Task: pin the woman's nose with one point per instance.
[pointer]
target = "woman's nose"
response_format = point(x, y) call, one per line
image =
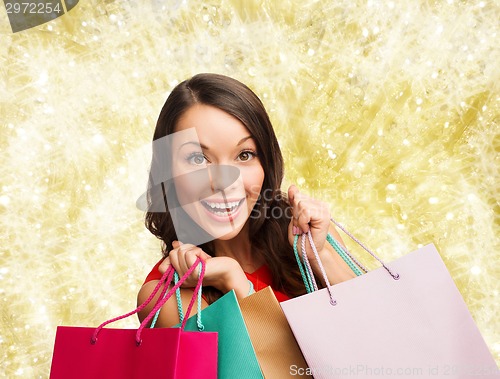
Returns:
point(221, 177)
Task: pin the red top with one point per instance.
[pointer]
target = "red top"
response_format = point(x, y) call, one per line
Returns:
point(261, 278)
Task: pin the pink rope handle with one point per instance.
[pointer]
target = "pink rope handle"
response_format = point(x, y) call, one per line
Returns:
point(320, 264)
point(395, 276)
point(161, 302)
point(166, 278)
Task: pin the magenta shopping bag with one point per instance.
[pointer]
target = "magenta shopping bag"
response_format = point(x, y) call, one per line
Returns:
point(403, 320)
point(170, 353)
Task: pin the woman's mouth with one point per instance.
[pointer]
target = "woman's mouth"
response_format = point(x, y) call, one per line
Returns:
point(222, 209)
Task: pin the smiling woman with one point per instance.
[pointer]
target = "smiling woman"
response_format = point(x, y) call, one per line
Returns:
point(224, 202)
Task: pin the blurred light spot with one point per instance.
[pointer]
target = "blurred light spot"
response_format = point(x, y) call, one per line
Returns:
point(98, 138)
point(4, 200)
point(43, 78)
point(433, 200)
point(475, 270)
point(450, 216)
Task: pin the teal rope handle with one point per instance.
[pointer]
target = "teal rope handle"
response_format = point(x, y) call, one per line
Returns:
point(179, 305)
point(306, 279)
point(340, 251)
point(178, 297)
point(198, 307)
point(304, 272)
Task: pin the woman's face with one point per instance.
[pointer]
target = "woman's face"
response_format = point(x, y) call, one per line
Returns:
point(217, 173)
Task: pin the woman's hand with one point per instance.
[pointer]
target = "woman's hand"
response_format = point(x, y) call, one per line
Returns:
point(223, 273)
point(308, 214)
point(313, 215)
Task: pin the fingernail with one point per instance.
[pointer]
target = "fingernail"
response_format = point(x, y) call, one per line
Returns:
point(295, 230)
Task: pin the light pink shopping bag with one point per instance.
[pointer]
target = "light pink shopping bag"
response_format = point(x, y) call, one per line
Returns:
point(404, 320)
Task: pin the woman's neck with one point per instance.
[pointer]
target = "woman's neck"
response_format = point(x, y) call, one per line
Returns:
point(240, 249)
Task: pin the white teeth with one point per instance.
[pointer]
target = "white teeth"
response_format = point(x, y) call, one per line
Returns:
point(223, 206)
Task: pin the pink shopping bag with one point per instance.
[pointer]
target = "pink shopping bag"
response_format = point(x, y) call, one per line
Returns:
point(170, 353)
point(403, 321)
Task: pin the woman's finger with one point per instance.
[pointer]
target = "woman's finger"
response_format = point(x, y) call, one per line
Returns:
point(164, 265)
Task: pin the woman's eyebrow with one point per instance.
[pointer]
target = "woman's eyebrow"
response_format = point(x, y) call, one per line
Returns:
point(204, 147)
point(243, 140)
point(196, 143)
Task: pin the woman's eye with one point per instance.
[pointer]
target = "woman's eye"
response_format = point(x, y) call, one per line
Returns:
point(196, 159)
point(246, 156)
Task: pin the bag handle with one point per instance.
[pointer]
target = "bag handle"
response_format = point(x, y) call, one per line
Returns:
point(179, 307)
point(395, 276)
point(308, 277)
point(165, 279)
point(318, 260)
point(308, 269)
point(161, 302)
point(352, 262)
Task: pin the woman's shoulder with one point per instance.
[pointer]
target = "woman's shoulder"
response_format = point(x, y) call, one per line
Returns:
point(155, 273)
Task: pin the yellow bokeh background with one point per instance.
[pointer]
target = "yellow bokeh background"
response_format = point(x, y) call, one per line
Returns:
point(387, 110)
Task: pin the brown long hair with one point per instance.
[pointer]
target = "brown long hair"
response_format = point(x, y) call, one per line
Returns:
point(270, 217)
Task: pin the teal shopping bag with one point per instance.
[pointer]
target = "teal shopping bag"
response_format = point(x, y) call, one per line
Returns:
point(236, 358)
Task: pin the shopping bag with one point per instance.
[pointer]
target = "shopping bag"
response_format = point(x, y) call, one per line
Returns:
point(277, 351)
point(170, 353)
point(236, 358)
point(403, 320)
